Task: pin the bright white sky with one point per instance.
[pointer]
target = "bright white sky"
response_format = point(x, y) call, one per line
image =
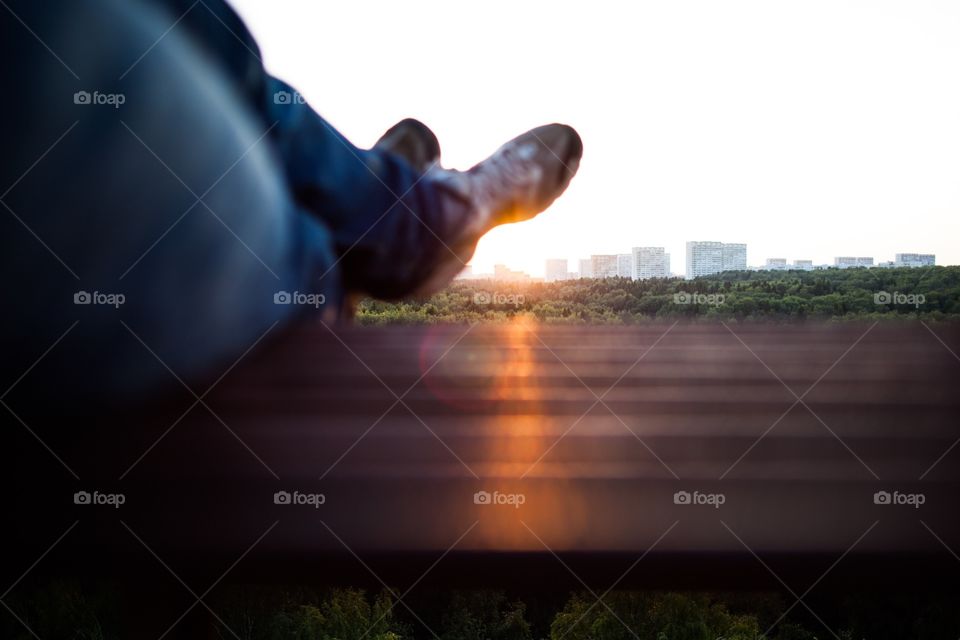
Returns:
point(805, 129)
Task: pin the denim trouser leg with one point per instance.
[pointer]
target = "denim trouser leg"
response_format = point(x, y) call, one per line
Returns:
point(111, 209)
point(145, 156)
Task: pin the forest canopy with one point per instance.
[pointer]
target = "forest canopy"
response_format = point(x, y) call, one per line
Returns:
point(930, 293)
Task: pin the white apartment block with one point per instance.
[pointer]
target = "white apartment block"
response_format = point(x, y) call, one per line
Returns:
point(557, 269)
point(776, 264)
point(705, 258)
point(586, 268)
point(848, 262)
point(803, 265)
point(625, 265)
point(734, 257)
point(650, 262)
point(604, 266)
point(915, 260)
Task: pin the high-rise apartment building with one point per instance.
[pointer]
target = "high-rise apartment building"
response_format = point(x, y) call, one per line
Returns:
point(704, 258)
point(586, 268)
point(650, 262)
point(848, 262)
point(803, 265)
point(915, 260)
point(776, 264)
point(557, 269)
point(734, 256)
point(604, 266)
point(625, 265)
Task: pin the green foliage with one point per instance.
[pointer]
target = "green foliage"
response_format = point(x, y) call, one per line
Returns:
point(65, 610)
point(62, 610)
point(336, 614)
point(836, 294)
point(484, 615)
point(791, 631)
point(629, 615)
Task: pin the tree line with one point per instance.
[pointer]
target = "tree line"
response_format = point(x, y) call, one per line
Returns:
point(931, 293)
point(262, 612)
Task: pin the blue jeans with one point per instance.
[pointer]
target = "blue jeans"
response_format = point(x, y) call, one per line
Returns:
point(167, 203)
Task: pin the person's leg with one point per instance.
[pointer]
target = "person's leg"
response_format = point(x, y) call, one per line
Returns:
point(400, 230)
point(392, 229)
point(111, 205)
point(397, 230)
point(200, 118)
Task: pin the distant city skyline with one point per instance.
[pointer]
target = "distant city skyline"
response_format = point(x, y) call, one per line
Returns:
point(677, 260)
point(701, 258)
